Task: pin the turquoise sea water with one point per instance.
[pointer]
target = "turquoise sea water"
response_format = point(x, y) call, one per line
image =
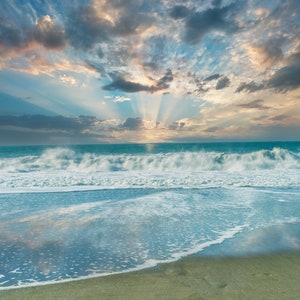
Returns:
point(70, 212)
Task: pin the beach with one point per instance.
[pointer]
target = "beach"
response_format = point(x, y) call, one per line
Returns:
point(275, 276)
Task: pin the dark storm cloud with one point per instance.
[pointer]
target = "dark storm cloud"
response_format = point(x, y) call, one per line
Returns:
point(84, 28)
point(200, 23)
point(255, 104)
point(45, 32)
point(286, 78)
point(199, 84)
point(10, 37)
point(133, 124)
point(132, 17)
point(163, 83)
point(179, 12)
point(121, 84)
point(249, 87)
point(48, 34)
point(88, 25)
point(223, 83)
point(212, 77)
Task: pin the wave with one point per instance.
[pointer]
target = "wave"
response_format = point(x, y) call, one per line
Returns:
point(64, 159)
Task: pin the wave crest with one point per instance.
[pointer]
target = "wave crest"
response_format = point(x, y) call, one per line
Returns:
point(64, 159)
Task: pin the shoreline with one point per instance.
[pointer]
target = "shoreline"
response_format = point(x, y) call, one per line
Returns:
point(272, 276)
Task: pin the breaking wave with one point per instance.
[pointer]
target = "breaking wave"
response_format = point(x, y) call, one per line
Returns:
point(64, 159)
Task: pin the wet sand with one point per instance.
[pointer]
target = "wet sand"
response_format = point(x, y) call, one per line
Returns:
point(261, 277)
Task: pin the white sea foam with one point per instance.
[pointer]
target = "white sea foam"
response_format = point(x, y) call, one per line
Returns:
point(69, 181)
point(63, 159)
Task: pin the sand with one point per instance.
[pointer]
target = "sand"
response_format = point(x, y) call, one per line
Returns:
point(273, 277)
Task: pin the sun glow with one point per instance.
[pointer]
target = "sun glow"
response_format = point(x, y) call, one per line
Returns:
point(150, 124)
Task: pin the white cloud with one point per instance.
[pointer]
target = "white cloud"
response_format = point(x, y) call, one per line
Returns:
point(120, 99)
point(68, 79)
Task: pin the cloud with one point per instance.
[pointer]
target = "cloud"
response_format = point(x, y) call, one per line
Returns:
point(223, 83)
point(156, 52)
point(41, 129)
point(10, 37)
point(266, 53)
point(191, 50)
point(271, 51)
point(101, 21)
point(286, 78)
point(48, 122)
point(26, 48)
point(279, 117)
point(133, 124)
point(255, 104)
point(133, 19)
point(212, 77)
point(98, 67)
point(37, 62)
point(45, 32)
point(48, 34)
point(249, 87)
point(294, 58)
point(177, 125)
point(179, 12)
point(85, 28)
point(120, 99)
point(163, 83)
point(68, 79)
point(119, 83)
point(216, 2)
point(198, 24)
point(212, 129)
point(138, 124)
point(124, 85)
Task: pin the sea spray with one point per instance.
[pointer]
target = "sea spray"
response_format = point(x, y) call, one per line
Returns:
point(92, 210)
point(64, 159)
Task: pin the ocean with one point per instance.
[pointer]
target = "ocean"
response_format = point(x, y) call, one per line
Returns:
point(71, 212)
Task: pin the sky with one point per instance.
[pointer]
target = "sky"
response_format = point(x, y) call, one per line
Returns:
point(139, 71)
